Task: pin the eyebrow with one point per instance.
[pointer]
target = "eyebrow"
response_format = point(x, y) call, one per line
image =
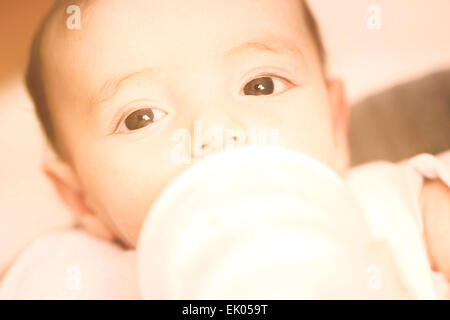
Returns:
point(275, 45)
point(110, 88)
point(271, 44)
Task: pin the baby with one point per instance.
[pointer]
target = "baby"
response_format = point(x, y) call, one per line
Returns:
point(112, 92)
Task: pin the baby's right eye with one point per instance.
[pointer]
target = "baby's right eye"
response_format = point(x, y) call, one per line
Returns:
point(141, 118)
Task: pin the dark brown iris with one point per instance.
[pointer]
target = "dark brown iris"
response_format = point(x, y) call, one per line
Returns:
point(139, 119)
point(260, 86)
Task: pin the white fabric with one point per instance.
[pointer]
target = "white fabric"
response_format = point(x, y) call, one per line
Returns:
point(389, 197)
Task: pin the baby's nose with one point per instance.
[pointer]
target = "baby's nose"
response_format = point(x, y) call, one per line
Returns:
point(215, 114)
point(212, 137)
point(216, 145)
point(206, 145)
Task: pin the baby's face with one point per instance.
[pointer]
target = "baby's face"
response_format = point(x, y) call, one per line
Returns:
point(138, 71)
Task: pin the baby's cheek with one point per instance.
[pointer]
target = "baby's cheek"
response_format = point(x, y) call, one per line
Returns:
point(128, 201)
point(126, 185)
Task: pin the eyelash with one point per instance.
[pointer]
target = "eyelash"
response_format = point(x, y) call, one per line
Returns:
point(268, 75)
point(130, 110)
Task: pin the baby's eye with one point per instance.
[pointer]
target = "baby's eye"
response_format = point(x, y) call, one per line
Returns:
point(266, 86)
point(142, 118)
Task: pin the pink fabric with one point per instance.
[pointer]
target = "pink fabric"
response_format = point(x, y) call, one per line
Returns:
point(72, 265)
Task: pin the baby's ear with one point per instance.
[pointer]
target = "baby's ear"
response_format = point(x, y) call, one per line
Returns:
point(340, 113)
point(70, 190)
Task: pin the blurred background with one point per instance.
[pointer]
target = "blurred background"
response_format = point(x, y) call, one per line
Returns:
point(397, 79)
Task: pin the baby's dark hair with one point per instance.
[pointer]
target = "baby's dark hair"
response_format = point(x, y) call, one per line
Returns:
point(34, 73)
point(314, 30)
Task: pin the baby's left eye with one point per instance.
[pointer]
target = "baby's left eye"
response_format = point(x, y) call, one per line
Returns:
point(266, 85)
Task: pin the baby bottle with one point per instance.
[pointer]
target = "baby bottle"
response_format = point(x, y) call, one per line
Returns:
point(254, 223)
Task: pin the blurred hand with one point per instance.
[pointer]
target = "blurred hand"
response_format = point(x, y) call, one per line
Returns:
point(435, 205)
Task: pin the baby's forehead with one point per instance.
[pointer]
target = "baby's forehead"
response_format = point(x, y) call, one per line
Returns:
point(91, 13)
point(121, 37)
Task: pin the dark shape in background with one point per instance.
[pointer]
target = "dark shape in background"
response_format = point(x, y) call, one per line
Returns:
point(402, 121)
